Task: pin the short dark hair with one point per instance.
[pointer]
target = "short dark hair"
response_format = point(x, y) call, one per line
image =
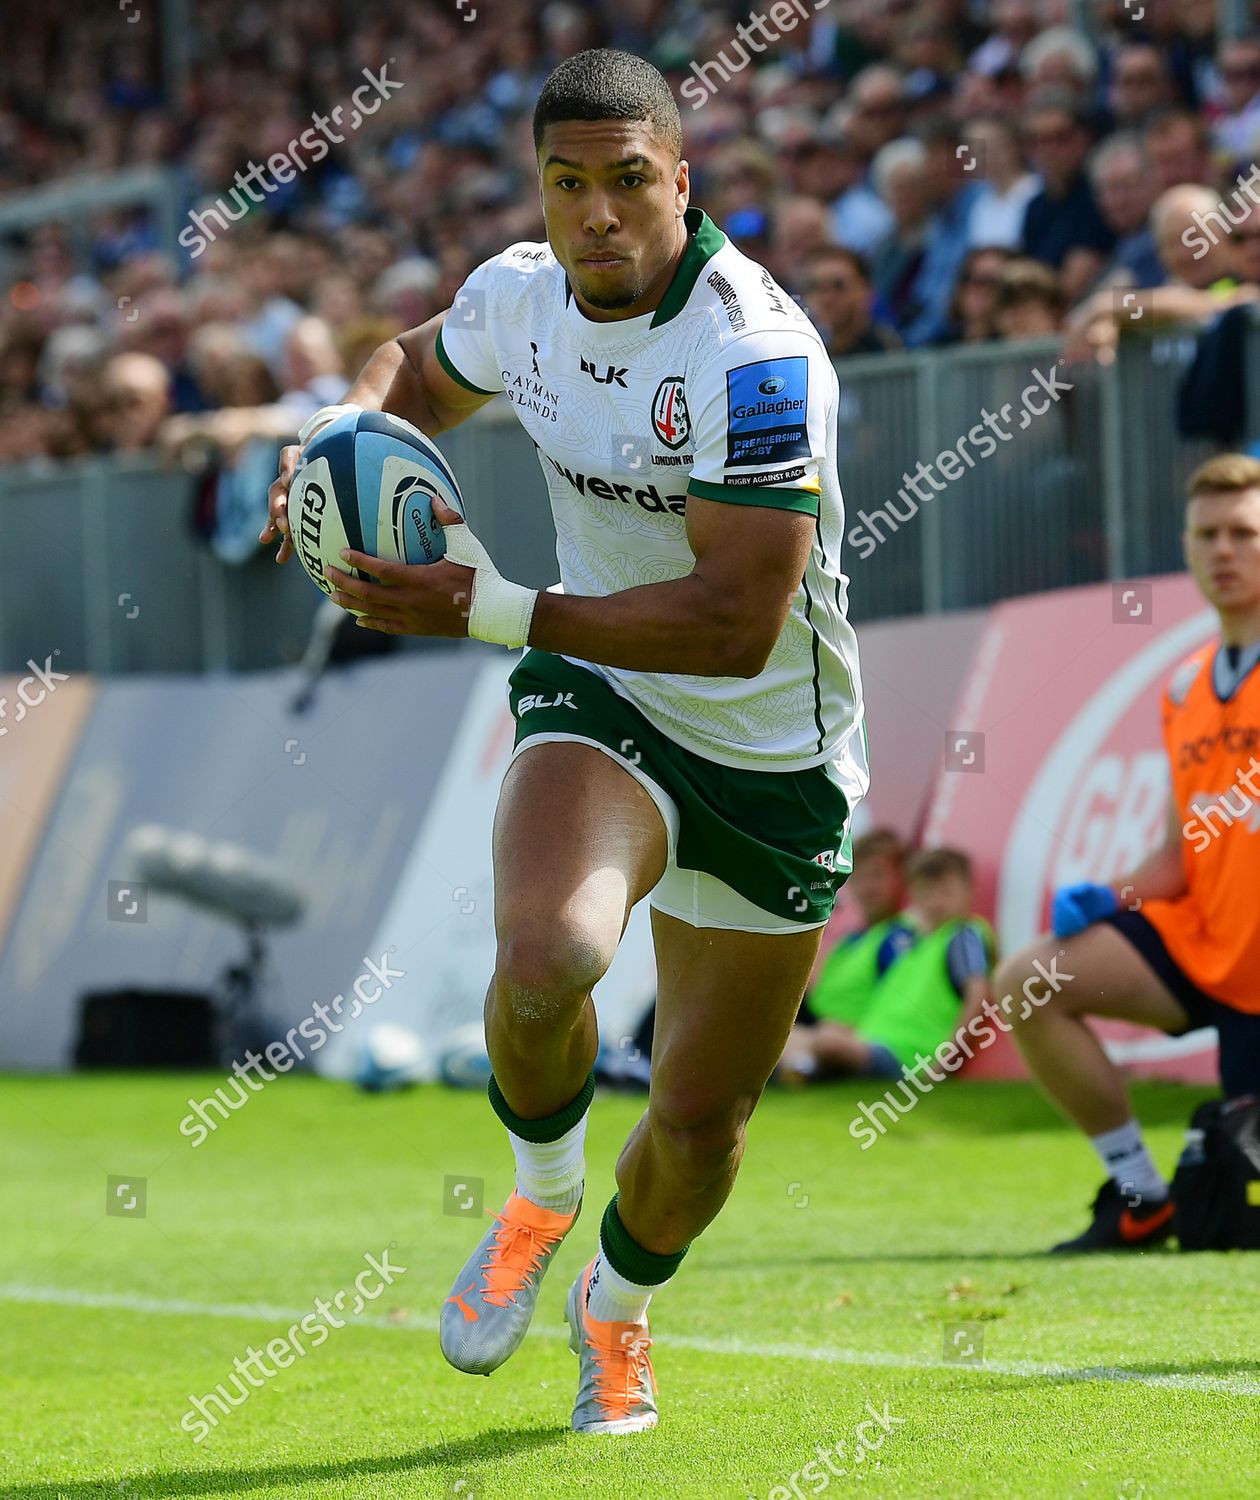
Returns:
point(879, 843)
point(857, 263)
point(935, 864)
point(605, 84)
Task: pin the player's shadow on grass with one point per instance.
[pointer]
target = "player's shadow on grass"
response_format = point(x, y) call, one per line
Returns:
point(235, 1480)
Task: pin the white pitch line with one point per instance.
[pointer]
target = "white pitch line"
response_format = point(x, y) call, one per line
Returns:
point(1229, 1385)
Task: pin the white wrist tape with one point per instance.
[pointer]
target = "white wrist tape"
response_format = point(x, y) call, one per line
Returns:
point(501, 611)
point(321, 418)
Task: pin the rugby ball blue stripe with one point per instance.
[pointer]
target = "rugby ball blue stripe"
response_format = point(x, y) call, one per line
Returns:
point(337, 444)
point(377, 421)
point(371, 449)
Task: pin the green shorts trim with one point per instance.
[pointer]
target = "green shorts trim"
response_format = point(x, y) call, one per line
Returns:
point(778, 838)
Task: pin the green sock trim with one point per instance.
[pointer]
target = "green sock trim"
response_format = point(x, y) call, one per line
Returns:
point(628, 1258)
point(550, 1127)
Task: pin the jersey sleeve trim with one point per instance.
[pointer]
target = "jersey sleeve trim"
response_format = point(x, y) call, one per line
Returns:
point(752, 494)
point(444, 360)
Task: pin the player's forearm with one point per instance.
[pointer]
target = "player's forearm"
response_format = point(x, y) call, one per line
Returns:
point(677, 626)
point(390, 382)
point(1160, 877)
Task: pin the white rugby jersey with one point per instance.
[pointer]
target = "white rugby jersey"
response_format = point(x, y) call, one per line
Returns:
point(725, 391)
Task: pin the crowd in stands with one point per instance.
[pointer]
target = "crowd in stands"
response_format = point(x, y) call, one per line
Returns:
point(916, 174)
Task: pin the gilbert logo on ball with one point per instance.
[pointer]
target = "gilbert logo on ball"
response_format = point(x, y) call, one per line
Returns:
point(368, 481)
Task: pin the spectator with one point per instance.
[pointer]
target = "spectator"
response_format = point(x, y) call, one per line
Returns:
point(1007, 187)
point(215, 352)
point(952, 193)
point(134, 402)
point(313, 377)
point(1199, 281)
point(407, 292)
point(1236, 134)
point(1063, 226)
point(1124, 188)
point(1178, 146)
point(159, 325)
point(973, 313)
point(1014, 26)
point(837, 294)
point(900, 176)
point(313, 372)
point(1061, 59)
point(741, 180)
point(271, 313)
point(1214, 396)
point(1029, 302)
point(1191, 50)
point(386, 228)
point(799, 227)
point(877, 109)
point(1141, 84)
point(860, 219)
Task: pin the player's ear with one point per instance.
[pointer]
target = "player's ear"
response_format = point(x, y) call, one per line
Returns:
point(682, 184)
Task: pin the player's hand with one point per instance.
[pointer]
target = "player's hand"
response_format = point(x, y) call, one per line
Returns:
point(278, 504)
point(409, 598)
point(1076, 906)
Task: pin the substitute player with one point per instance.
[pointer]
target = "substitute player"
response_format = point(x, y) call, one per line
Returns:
point(936, 983)
point(689, 715)
point(1174, 944)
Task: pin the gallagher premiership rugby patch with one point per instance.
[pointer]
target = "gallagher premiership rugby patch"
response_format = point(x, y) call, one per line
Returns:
point(766, 406)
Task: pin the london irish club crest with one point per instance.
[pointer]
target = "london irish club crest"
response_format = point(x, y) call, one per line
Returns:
point(670, 419)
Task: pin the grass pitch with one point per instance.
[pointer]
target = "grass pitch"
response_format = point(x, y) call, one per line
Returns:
point(906, 1279)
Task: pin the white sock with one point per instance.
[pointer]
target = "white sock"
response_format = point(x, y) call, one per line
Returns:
point(550, 1173)
point(1123, 1152)
point(610, 1298)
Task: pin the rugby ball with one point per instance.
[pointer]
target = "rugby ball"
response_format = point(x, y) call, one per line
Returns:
point(367, 481)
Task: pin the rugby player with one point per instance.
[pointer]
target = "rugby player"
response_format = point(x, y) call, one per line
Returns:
point(1175, 943)
point(689, 711)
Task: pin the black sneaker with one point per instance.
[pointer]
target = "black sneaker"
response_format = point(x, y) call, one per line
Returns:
point(1121, 1225)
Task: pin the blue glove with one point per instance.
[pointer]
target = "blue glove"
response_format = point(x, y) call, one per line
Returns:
point(1076, 906)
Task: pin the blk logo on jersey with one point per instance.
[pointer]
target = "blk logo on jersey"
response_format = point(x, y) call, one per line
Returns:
point(671, 421)
point(541, 700)
point(610, 374)
point(767, 407)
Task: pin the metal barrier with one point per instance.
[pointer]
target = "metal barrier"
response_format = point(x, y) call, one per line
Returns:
point(104, 567)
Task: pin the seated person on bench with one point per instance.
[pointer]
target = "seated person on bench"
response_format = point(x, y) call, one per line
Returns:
point(931, 988)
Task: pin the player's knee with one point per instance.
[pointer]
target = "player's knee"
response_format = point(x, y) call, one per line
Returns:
point(547, 966)
point(1025, 985)
point(699, 1136)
